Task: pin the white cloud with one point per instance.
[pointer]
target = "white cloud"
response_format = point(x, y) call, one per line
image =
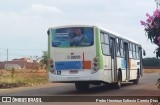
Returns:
point(44, 8)
point(30, 13)
point(30, 19)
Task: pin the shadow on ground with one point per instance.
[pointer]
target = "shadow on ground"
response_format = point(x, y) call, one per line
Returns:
point(94, 89)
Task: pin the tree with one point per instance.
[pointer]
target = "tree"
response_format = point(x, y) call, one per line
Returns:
point(35, 60)
point(152, 29)
point(151, 62)
point(44, 60)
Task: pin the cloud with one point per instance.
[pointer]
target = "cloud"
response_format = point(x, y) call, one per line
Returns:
point(30, 20)
point(44, 8)
point(30, 12)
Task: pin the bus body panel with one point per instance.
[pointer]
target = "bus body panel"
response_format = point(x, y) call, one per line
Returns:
point(98, 76)
point(134, 65)
point(107, 68)
point(80, 59)
point(121, 64)
point(69, 60)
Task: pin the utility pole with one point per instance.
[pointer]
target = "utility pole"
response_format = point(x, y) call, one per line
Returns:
point(7, 54)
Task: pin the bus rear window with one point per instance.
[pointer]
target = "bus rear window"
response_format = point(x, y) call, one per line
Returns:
point(72, 37)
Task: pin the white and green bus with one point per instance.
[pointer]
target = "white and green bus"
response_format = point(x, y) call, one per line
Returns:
point(84, 55)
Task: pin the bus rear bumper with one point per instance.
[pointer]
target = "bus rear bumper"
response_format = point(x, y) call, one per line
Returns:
point(73, 78)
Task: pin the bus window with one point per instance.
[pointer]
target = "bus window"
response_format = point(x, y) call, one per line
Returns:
point(71, 37)
point(105, 44)
point(133, 51)
point(102, 38)
point(118, 46)
point(106, 38)
point(130, 50)
point(121, 48)
point(137, 52)
point(105, 49)
point(133, 47)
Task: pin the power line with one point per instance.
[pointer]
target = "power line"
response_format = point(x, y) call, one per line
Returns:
point(19, 54)
point(24, 49)
point(11, 53)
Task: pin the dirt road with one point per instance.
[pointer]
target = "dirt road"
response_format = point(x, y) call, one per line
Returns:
point(146, 87)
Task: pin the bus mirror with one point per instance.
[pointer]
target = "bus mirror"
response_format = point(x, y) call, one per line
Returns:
point(144, 52)
point(48, 32)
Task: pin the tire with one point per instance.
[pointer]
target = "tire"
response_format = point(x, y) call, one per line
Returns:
point(118, 84)
point(136, 81)
point(82, 86)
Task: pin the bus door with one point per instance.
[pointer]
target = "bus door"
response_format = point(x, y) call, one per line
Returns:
point(140, 60)
point(126, 57)
point(113, 59)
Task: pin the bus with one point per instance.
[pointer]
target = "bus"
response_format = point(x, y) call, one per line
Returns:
point(86, 54)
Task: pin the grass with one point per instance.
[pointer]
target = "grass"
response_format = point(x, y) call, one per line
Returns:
point(22, 78)
point(151, 70)
point(18, 78)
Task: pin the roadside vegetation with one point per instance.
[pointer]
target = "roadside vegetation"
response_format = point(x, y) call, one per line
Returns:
point(18, 78)
point(29, 77)
point(152, 65)
point(39, 76)
point(151, 62)
point(151, 70)
point(26, 77)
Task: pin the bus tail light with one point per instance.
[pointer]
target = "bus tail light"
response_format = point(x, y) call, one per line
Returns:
point(51, 63)
point(95, 65)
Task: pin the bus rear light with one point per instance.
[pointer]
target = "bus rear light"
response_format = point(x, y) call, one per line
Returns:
point(95, 59)
point(52, 66)
point(95, 65)
point(52, 71)
point(50, 61)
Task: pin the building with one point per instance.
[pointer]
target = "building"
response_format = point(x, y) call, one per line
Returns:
point(24, 59)
point(22, 63)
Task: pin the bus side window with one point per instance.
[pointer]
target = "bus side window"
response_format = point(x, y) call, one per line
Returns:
point(118, 46)
point(106, 38)
point(105, 44)
point(121, 48)
point(137, 52)
point(130, 50)
point(105, 49)
point(102, 38)
point(134, 52)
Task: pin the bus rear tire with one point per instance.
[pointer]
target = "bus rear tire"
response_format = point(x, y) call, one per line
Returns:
point(82, 86)
point(118, 84)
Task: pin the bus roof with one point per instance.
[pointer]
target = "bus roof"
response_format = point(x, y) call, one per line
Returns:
point(102, 28)
point(118, 35)
point(65, 26)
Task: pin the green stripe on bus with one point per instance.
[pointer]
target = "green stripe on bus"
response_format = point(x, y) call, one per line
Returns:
point(99, 49)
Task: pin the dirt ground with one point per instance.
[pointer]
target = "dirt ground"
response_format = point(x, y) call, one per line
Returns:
point(24, 72)
point(44, 73)
point(151, 70)
point(18, 78)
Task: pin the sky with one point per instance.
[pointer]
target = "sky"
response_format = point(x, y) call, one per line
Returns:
point(24, 23)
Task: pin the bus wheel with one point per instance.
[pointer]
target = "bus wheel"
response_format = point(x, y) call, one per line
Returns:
point(136, 81)
point(82, 86)
point(118, 83)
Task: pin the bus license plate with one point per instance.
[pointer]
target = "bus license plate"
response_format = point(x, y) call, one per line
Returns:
point(73, 72)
